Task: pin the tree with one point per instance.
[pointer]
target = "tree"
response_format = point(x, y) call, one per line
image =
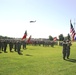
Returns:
point(68, 37)
point(50, 38)
point(61, 37)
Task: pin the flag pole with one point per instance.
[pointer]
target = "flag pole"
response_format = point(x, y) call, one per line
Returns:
point(70, 30)
point(74, 24)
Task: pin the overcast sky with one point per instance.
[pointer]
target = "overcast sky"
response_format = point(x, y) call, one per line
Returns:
point(52, 17)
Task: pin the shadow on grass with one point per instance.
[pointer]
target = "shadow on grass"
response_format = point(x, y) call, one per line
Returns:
point(0, 52)
point(28, 55)
point(72, 60)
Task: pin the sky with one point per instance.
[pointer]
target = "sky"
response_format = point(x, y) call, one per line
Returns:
point(52, 17)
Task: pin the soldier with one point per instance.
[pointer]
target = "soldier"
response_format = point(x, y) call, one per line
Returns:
point(15, 46)
point(24, 44)
point(52, 44)
point(0, 46)
point(64, 49)
point(5, 46)
point(68, 48)
point(19, 47)
point(11, 45)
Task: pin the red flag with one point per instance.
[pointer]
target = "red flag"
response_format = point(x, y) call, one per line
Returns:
point(55, 38)
point(29, 39)
point(24, 36)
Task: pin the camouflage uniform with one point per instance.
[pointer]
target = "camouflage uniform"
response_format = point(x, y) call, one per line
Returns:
point(5, 46)
point(64, 49)
point(11, 45)
point(68, 49)
point(19, 47)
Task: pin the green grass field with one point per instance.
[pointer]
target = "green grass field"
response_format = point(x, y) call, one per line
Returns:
point(38, 60)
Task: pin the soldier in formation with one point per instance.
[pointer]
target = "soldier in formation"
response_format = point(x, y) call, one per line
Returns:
point(18, 47)
point(12, 44)
point(3, 45)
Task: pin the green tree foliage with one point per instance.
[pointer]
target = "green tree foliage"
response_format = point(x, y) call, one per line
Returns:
point(50, 38)
point(68, 37)
point(5, 37)
point(61, 37)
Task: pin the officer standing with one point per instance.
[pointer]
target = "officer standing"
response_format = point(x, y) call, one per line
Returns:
point(64, 49)
point(68, 48)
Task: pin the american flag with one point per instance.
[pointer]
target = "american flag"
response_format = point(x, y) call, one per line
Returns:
point(72, 31)
point(75, 37)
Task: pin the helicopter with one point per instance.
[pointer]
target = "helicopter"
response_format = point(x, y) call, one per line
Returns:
point(32, 21)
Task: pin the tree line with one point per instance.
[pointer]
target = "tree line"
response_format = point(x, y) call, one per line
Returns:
point(5, 37)
point(61, 37)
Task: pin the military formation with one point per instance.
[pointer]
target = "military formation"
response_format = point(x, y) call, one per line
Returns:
point(44, 43)
point(13, 44)
point(17, 45)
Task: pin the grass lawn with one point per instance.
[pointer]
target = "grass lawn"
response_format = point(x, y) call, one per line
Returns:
point(38, 60)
